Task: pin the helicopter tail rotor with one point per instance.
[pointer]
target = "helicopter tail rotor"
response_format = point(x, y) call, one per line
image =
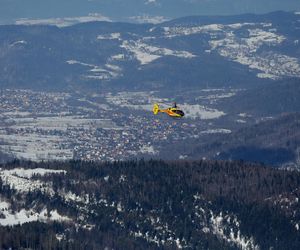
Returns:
point(155, 108)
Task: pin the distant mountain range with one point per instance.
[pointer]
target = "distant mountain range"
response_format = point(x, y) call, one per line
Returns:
point(64, 12)
point(241, 51)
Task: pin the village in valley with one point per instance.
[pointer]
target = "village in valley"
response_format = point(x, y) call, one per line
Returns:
point(40, 126)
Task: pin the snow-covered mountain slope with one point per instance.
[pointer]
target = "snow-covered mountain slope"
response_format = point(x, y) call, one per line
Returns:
point(193, 51)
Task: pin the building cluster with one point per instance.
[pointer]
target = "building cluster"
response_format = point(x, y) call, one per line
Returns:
point(43, 126)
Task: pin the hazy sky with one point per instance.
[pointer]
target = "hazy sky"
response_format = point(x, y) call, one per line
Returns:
point(11, 10)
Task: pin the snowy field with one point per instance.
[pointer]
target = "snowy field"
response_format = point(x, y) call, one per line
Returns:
point(62, 123)
point(145, 101)
point(34, 146)
point(45, 138)
point(104, 72)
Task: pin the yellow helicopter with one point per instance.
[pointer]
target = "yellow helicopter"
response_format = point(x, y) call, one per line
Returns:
point(172, 111)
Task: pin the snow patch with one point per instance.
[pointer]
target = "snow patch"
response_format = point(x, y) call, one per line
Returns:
point(216, 131)
point(198, 111)
point(244, 115)
point(149, 19)
point(148, 149)
point(20, 179)
point(118, 57)
point(240, 121)
point(212, 29)
point(24, 216)
point(28, 173)
point(134, 100)
point(146, 53)
point(111, 36)
point(105, 72)
point(215, 97)
point(63, 22)
point(218, 226)
point(18, 42)
point(185, 31)
point(182, 157)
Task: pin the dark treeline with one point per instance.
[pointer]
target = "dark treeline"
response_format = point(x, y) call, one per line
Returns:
point(127, 198)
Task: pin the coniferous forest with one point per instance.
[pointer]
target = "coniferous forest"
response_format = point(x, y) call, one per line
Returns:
point(149, 205)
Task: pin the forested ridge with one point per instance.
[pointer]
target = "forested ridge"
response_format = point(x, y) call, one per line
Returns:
point(155, 205)
point(274, 141)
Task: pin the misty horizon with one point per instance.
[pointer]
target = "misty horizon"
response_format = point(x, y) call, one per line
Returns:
point(135, 11)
